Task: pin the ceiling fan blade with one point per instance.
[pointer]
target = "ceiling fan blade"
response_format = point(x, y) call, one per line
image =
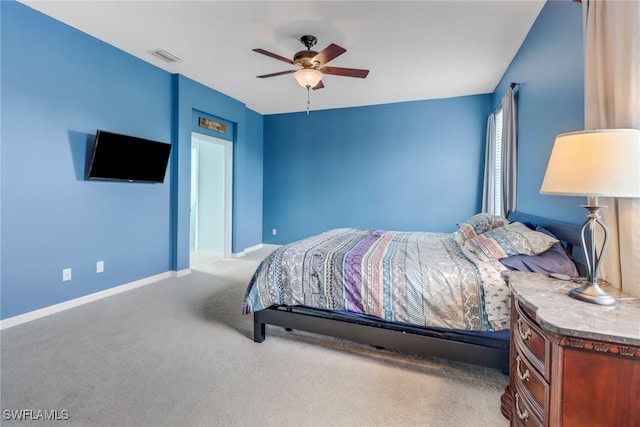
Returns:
point(274, 55)
point(280, 73)
point(320, 85)
point(329, 53)
point(347, 72)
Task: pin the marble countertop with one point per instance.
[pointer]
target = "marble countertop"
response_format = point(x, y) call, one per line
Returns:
point(557, 312)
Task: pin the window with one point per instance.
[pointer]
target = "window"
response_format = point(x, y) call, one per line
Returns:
point(500, 170)
point(497, 170)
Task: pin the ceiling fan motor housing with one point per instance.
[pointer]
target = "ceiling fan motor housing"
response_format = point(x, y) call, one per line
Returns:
point(304, 59)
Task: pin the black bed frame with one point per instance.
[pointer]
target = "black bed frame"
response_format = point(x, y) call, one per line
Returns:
point(453, 345)
point(489, 351)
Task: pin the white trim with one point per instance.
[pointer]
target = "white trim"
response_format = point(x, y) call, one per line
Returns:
point(194, 196)
point(254, 248)
point(66, 305)
point(228, 198)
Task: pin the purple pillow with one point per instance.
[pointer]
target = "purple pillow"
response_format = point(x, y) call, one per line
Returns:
point(554, 260)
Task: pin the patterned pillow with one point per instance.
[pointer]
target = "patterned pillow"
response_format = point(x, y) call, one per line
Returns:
point(555, 260)
point(478, 224)
point(511, 239)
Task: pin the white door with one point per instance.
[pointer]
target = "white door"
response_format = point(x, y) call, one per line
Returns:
point(211, 195)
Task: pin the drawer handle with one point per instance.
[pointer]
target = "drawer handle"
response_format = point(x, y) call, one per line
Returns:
point(523, 376)
point(524, 335)
point(523, 415)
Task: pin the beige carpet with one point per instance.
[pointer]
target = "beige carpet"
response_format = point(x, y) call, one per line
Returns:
point(179, 353)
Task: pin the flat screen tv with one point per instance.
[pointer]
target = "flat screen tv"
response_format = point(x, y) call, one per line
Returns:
point(117, 157)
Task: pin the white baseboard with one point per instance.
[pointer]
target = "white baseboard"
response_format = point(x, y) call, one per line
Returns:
point(253, 248)
point(246, 250)
point(66, 305)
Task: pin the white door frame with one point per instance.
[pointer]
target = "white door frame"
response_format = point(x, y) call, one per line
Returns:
point(228, 187)
point(194, 192)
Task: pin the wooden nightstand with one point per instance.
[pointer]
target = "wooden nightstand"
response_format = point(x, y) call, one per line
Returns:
point(572, 363)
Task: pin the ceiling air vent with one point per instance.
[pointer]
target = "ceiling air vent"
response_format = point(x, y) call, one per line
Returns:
point(164, 55)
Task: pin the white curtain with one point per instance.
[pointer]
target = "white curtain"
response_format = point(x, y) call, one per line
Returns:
point(489, 187)
point(509, 153)
point(612, 100)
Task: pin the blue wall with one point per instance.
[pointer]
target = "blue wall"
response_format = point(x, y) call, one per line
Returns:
point(405, 166)
point(193, 97)
point(550, 69)
point(418, 165)
point(54, 96)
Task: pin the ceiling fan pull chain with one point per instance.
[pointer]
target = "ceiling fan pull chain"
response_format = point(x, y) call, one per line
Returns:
point(308, 102)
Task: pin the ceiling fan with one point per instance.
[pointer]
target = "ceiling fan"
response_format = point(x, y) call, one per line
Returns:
point(313, 64)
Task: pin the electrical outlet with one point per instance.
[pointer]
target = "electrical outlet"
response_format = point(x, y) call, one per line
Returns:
point(274, 231)
point(66, 274)
point(99, 266)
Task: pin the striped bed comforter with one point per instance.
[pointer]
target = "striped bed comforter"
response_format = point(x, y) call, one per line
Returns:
point(419, 278)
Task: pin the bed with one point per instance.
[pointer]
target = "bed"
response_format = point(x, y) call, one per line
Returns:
point(434, 294)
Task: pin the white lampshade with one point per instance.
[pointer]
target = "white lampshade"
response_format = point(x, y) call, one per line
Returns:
point(602, 162)
point(308, 77)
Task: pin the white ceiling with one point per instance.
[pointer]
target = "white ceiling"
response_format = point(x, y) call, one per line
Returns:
point(414, 49)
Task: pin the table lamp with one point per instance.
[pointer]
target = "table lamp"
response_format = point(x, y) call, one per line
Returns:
point(594, 163)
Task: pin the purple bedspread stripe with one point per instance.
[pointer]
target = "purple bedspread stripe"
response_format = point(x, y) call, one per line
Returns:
point(353, 274)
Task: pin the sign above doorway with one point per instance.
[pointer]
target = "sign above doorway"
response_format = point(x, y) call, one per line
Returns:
point(212, 125)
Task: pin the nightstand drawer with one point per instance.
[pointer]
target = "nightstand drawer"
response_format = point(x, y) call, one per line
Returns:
point(530, 383)
point(532, 341)
point(524, 415)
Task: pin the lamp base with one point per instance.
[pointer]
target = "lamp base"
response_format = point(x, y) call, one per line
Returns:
point(591, 292)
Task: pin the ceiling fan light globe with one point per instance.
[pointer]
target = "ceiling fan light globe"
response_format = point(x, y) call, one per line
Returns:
point(308, 77)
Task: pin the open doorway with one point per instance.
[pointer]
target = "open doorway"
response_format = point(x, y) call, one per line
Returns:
point(211, 195)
